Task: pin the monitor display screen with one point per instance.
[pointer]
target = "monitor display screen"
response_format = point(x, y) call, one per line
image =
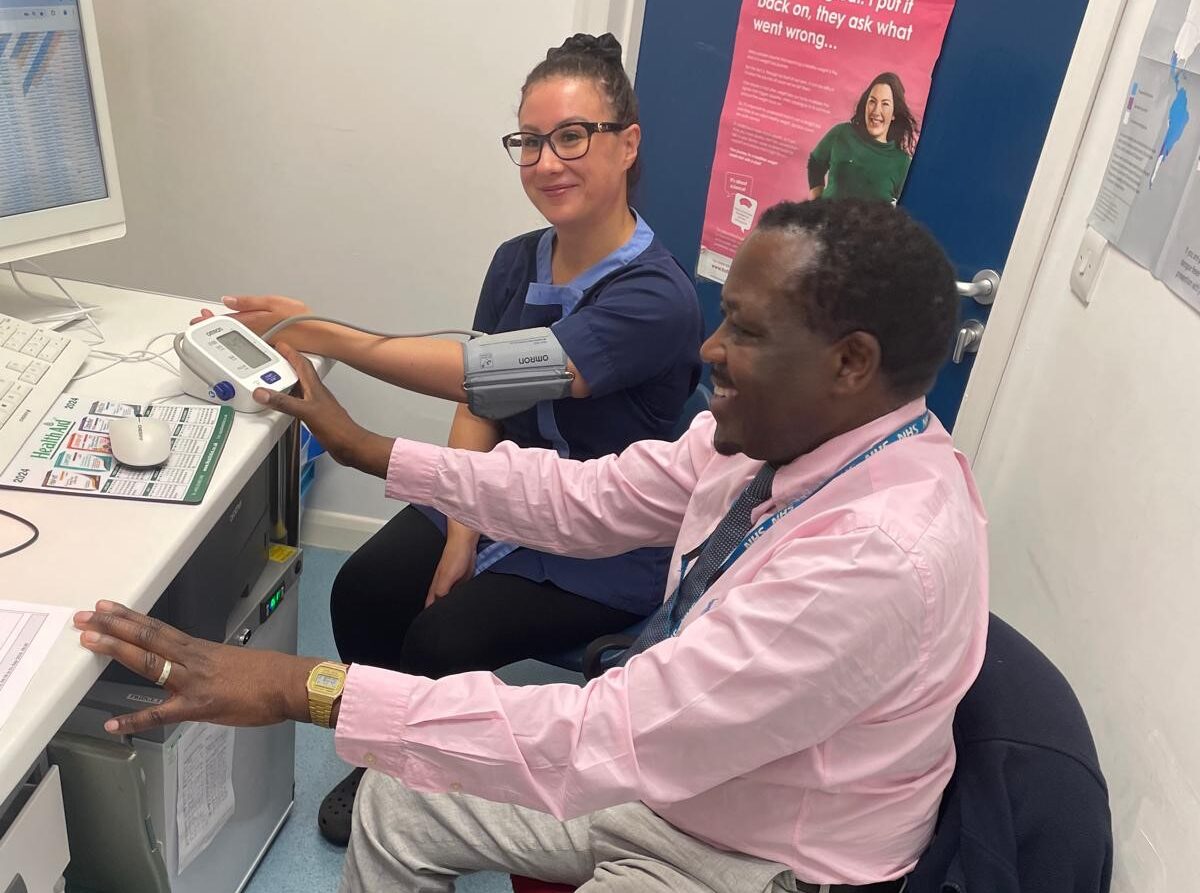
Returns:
point(242, 348)
point(49, 145)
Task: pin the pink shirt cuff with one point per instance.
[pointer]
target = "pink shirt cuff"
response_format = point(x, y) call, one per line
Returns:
point(372, 717)
point(412, 470)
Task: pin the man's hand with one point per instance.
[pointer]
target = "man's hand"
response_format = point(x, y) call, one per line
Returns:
point(260, 312)
point(457, 563)
point(207, 682)
point(348, 442)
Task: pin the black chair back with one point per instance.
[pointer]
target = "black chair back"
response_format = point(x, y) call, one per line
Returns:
point(1027, 808)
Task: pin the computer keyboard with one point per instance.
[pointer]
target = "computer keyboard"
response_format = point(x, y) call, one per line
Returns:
point(36, 364)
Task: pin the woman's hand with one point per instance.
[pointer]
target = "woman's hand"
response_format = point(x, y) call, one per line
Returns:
point(457, 563)
point(206, 682)
point(260, 312)
point(348, 442)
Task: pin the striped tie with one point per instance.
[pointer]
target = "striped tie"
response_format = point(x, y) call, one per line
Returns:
point(729, 533)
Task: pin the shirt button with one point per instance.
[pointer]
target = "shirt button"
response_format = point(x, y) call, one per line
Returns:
point(456, 788)
point(369, 759)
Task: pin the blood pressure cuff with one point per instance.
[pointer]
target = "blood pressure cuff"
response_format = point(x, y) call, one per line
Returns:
point(510, 372)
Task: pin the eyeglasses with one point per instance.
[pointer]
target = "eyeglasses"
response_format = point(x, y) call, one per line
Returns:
point(567, 141)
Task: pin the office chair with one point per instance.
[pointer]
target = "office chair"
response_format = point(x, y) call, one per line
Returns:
point(1026, 810)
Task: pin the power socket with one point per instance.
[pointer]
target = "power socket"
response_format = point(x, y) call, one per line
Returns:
point(1085, 268)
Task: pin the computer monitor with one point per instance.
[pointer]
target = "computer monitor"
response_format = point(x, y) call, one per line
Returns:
point(58, 171)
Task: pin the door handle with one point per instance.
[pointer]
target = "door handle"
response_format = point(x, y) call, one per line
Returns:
point(982, 288)
point(968, 339)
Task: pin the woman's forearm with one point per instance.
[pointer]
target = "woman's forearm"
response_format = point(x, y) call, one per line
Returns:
point(470, 432)
point(432, 366)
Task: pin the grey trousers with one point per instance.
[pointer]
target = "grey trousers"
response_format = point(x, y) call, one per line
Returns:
point(419, 843)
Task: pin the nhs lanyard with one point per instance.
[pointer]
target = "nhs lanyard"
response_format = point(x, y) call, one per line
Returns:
point(912, 429)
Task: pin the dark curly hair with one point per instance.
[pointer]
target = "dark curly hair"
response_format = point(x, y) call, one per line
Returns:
point(904, 129)
point(597, 59)
point(878, 271)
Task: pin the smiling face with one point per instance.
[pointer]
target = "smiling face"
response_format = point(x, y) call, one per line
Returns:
point(587, 189)
point(836, 313)
point(772, 376)
point(780, 387)
point(880, 112)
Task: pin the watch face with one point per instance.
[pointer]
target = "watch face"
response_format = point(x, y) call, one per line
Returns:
point(325, 680)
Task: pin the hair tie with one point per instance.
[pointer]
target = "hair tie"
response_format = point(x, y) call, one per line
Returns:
point(605, 47)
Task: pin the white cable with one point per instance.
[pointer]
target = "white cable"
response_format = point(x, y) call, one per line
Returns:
point(96, 371)
point(144, 355)
point(137, 356)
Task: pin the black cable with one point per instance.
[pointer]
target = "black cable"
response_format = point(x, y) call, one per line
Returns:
point(29, 542)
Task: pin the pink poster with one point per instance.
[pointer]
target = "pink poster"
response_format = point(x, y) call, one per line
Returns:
point(826, 100)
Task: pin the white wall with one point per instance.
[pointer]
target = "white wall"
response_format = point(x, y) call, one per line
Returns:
point(1087, 464)
point(347, 154)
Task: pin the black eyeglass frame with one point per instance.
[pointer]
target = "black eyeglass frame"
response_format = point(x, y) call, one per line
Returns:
point(547, 139)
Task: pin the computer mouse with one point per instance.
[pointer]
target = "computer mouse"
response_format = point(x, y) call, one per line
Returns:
point(140, 442)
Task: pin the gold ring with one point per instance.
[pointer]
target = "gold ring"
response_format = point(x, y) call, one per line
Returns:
point(166, 672)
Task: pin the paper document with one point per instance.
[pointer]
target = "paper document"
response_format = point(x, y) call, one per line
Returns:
point(1149, 201)
point(27, 631)
point(205, 798)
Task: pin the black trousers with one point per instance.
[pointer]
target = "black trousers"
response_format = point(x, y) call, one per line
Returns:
point(380, 619)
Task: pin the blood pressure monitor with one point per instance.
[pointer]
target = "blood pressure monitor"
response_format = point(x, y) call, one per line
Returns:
point(222, 361)
point(509, 372)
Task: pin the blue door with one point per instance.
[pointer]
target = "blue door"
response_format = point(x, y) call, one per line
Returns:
point(994, 91)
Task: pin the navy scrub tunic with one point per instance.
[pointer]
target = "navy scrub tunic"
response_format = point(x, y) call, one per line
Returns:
point(632, 326)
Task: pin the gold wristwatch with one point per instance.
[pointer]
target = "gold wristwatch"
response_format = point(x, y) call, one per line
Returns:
point(325, 683)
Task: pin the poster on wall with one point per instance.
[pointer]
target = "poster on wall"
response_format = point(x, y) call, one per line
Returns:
point(825, 100)
point(1149, 201)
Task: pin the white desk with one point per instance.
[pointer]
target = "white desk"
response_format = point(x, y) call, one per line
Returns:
point(94, 548)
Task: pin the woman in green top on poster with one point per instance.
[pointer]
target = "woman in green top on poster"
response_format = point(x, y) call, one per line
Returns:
point(868, 157)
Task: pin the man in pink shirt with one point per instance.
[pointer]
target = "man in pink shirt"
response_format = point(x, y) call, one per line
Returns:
point(784, 723)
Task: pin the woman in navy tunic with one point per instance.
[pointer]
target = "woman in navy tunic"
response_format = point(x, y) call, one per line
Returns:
point(433, 599)
point(430, 598)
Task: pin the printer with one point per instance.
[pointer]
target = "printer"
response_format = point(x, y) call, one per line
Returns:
point(134, 806)
point(220, 573)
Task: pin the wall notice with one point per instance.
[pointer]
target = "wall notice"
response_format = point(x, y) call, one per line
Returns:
point(1149, 202)
point(825, 100)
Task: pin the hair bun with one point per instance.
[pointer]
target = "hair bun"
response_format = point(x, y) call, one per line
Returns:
point(606, 47)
